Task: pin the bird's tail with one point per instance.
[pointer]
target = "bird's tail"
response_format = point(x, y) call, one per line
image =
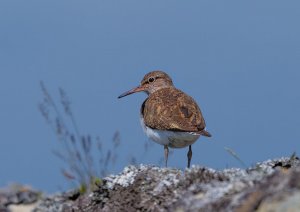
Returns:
point(205, 133)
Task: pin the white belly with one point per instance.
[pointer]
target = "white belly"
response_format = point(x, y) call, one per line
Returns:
point(170, 138)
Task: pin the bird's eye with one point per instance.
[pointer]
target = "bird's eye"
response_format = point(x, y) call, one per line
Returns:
point(151, 79)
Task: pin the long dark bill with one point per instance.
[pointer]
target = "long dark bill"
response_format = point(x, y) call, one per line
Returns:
point(134, 90)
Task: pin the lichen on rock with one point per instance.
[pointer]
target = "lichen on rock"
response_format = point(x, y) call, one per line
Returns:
point(272, 185)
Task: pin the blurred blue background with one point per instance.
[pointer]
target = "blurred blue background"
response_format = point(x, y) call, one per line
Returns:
point(239, 60)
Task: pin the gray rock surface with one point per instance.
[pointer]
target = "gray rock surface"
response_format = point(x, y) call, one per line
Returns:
point(17, 195)
point(273, 185)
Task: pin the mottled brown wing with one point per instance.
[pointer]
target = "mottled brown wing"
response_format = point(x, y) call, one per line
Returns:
point(171, 109)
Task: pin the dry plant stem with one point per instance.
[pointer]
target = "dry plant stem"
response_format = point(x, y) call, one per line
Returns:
point(77, 149)
point(68, 111)
point(233, 154)
point(63, 135)
point(49, 100)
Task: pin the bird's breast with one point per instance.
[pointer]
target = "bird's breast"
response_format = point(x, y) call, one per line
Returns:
point(173, 139)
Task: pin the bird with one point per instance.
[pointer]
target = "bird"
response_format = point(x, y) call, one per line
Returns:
point(169, 116)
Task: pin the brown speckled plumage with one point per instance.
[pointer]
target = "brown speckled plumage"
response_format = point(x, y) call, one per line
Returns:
point(171, 109)
point(169, 116)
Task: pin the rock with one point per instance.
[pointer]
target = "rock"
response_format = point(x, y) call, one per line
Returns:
point(289, 202)
point(22, 207)
point(273, 185)
point(57, 202)
point(16, 195)
point(149, 188)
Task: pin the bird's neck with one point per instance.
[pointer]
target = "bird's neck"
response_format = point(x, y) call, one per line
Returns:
point(156, 89)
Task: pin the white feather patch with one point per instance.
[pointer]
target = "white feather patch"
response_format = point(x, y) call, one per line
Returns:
point(172, 139)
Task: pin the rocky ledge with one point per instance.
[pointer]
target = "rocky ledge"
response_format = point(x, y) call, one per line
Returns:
point(273, 185)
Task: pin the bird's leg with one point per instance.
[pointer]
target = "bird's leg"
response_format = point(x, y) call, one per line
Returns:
point(166, 154)
point(189, 155)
